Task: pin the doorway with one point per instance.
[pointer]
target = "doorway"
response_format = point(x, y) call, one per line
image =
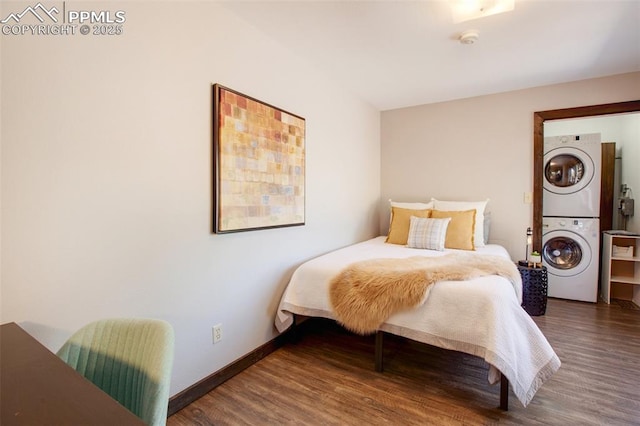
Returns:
point(539, 118)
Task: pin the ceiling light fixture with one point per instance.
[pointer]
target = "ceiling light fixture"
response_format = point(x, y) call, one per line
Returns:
point(469, 37)
point(466, 10)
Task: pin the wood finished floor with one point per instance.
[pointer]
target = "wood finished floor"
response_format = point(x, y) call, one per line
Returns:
point(328, 378)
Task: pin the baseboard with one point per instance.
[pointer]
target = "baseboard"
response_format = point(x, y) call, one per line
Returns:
point(206, 385)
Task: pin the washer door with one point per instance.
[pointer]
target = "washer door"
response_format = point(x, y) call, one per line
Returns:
point(565, 253)
point(567, 170)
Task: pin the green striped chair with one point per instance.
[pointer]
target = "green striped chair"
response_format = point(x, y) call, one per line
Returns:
point(130, 359)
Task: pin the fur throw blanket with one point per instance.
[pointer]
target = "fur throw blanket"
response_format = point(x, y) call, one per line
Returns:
point(366, 293)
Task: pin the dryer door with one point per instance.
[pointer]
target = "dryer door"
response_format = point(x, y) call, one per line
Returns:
point(565, 253)
point(567, 170)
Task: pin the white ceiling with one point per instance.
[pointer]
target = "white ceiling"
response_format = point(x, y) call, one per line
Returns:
point(395, 54)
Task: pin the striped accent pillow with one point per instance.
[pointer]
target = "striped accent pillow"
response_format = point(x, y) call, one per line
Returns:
point(427, 233)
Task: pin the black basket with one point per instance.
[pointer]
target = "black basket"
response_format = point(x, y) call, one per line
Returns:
point(534, 289)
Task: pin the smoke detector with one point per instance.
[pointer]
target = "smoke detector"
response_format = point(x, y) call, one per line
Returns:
point(469, 37)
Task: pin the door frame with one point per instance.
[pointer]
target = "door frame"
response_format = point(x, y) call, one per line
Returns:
point(539, 117)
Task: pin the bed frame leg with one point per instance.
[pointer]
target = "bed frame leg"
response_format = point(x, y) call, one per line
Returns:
point(504, 392)
point(379, 360)
point(293, 333)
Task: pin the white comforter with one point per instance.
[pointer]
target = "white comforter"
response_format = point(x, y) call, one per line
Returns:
point(482, 317)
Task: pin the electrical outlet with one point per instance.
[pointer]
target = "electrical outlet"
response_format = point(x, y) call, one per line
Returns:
point(217, 333)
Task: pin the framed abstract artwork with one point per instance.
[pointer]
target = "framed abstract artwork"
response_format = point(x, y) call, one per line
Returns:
point(258, 164)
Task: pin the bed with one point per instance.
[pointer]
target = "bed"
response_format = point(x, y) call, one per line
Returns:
point(481, 316)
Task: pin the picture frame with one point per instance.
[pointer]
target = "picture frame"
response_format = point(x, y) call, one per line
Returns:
point(258, 164)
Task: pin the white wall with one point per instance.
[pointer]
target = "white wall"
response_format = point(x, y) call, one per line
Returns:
point(630, 166)
point(624, 130)
point(106, 179)
point(480, 148)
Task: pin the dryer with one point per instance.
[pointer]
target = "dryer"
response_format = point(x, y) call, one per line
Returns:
point(572, 168)
point(571, 252)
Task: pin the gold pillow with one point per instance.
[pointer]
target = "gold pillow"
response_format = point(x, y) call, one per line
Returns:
point(460, 230)
point(400, 220)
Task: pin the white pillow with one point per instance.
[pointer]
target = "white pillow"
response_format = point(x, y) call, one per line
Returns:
point(408, 206)
point(412, 206)
point(425, 233)
point(479, 206)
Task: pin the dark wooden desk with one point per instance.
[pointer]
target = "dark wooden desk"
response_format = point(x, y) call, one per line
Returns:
point(38, 388)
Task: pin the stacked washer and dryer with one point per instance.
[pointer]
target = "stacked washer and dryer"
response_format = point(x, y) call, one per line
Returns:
point(570, 215)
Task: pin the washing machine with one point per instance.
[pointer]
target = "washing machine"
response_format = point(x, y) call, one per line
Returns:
point(572, 168)
point(571, 253)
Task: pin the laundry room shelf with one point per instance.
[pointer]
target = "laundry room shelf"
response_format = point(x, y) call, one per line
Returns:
point(623, 279)
point(620, 274)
